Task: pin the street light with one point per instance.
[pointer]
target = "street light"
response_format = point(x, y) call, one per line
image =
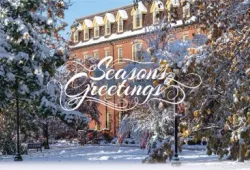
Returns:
point(18, 157)
point(176, 117)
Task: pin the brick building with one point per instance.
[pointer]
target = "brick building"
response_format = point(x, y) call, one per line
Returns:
point(120, 33)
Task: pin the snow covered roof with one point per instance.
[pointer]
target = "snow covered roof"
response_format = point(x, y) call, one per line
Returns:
point(79, 27)
point(130, 33)
point(110, 17)
point(98, 20)
point(88, 23)
point(123, 14)
point(110, 38)
point(142, 7)
point(158, 5)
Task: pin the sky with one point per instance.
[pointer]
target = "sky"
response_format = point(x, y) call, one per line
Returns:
point(81, 8)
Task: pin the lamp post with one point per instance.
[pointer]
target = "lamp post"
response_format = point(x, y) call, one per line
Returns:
point(18, 157)
point(176, 160)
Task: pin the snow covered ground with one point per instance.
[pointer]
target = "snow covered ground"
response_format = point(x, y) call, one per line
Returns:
point(90, 155)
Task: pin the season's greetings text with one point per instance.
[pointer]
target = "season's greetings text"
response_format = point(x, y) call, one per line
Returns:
point(123, 86)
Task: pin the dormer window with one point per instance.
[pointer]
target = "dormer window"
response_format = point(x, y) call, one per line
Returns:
point(156, 7)
point(120, 25)
point(138, 19)
point(186, 10)
point(108, 20)
point(137, 15)
point(86, 34)
point(96, 31)
point(120, 17)
point(98, 21)
point(107, 28)
point(156, 17)
point(87, 25)
point(76, 37)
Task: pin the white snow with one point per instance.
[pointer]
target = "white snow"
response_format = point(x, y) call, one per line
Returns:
point(129, 33)
point(110, 17)
point(123, 14)
point(88, 23)
point(159, 5)
point(99, 20)
point(113, 155)
point(142, 7)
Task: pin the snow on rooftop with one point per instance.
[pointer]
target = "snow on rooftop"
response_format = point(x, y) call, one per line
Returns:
point(79, 27)
point(99, 20)
point(142, 7)
point(159, 5)
point(123, 14)
point(129, 33)
point(88, 23)
point(110, 17)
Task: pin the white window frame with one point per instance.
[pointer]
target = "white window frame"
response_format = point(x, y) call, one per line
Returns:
point(120, 23)
point(109, 120)
point(155, 19)
point(96, 54)
point(186, 10)
point(185, 37)
point(134, 53)
point(137, 15)
point(108, 28)
point(120, 54)
point(85, 56)
point(76, 36)
point(96, 28)
point(86, 32)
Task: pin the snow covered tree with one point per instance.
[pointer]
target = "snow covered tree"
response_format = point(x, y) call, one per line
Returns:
point(219, 110)
point(31, 51)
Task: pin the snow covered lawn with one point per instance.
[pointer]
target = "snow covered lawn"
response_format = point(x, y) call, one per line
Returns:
point(91, 155)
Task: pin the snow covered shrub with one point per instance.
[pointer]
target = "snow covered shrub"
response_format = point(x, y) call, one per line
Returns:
point(159, 150)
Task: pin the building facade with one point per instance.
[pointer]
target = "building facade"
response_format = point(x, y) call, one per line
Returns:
point(121, 33)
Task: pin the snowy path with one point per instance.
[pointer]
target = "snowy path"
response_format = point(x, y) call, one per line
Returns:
point(106, 155)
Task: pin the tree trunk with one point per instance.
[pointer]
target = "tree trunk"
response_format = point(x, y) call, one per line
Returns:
point(241, 153)
point(46, 135)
